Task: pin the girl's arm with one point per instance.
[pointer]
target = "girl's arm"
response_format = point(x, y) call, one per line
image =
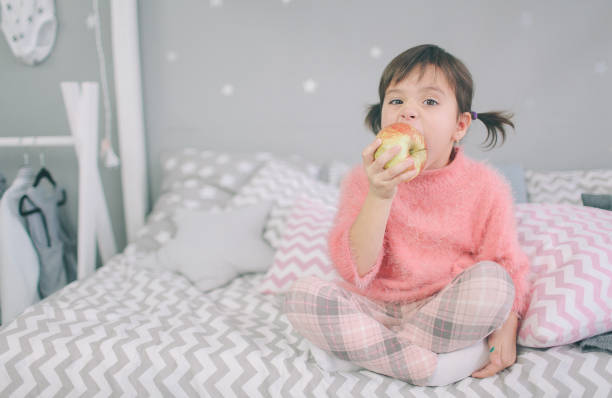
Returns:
point(502, 348)
point(367, 233)
point(500, 242)
point(356, 239)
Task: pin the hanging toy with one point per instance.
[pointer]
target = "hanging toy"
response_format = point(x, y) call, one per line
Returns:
point(30, 27)
point(106, 145)
point(106, 152)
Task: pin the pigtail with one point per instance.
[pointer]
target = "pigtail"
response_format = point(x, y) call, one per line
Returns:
point(373, 118)
point(494, 122)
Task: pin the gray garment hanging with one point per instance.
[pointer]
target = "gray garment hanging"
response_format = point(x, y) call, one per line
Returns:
point(51, 235)
point(19, 266)
point(2, 184)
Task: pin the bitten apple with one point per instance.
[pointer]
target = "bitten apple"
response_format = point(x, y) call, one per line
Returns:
point(409, 139)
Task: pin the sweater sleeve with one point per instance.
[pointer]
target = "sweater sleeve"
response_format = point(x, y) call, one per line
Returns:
point(499, 241)
point(352, 196)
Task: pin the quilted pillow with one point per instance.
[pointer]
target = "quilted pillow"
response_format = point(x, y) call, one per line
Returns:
point(219, 169)
point(225, 170)
point(566, 186)
point(197, 179)
point(570, 248)
point(282, 183)
point(189, 194)
point(302, 250)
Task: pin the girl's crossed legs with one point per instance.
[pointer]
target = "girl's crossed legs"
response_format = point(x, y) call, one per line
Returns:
point(398, 340)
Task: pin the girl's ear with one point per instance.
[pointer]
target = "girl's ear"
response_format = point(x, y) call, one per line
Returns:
point(463, 123)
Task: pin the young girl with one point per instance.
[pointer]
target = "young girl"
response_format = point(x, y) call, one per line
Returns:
point(432, 270)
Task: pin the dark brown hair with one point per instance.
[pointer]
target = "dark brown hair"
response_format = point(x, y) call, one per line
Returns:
point(458, 77)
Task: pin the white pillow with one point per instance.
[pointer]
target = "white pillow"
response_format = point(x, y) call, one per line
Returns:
point(211, 248)
point(282, 183)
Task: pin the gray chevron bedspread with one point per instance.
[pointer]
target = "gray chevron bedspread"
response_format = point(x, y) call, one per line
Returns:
point(129, 331)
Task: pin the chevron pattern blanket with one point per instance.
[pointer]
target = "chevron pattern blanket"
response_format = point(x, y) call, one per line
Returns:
point(130, 331)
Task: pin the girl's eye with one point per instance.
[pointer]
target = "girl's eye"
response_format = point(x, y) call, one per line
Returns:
point(431, 101)
point(395, 103)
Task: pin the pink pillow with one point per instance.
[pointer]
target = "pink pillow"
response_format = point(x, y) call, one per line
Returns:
point(302, 249)
point(570, 251)
point(570, 248)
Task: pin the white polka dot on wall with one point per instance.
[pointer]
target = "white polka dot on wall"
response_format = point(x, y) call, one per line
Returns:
point(170, 163)
point(227, 90)
point(601, 67)
point(310, 86)
point(527, 18)
point(286, 1)
point(216, 3)
point(171, 56)
point(91, 21)
point(375, 52)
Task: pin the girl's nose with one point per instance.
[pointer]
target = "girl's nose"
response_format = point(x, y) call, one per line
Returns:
point(408, 112)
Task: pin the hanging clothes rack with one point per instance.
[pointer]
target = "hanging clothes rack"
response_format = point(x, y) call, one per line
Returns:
point(37, 141)
point(81, 101)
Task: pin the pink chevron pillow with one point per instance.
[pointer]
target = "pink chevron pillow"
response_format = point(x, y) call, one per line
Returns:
point(302, 250)
point(570, 248)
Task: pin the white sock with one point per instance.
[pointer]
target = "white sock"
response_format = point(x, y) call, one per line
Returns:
point(457, 365)
point(330, 362)
point(451, 367)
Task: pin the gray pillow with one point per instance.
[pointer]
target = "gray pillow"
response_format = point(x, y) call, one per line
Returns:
point(599, 201)
point(225, 170)
point(228, 171)
point(211, 248)
point(566, 186)
point(515, 174)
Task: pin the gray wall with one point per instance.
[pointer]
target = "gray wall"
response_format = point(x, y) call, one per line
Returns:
point(31, 103)
point(547, 61)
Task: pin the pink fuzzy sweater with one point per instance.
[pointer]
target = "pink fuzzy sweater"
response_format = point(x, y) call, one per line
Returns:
point(441, 223)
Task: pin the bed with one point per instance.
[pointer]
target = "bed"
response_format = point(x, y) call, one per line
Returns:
point(143, 326)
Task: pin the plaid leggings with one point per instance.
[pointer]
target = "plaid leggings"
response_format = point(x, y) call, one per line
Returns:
point(401, 339)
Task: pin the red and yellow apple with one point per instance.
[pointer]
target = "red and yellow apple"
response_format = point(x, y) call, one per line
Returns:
point(411, 141)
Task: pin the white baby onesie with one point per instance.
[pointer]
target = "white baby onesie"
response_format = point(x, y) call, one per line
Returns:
point(30, 27)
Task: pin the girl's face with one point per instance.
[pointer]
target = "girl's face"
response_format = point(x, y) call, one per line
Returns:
point(430, 106)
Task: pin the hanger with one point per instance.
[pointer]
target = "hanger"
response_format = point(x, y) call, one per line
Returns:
point(35, 210)
point(44, 173)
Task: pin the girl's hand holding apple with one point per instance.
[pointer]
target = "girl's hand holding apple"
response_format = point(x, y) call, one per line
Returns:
point(383, 182)
point(398, 154)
